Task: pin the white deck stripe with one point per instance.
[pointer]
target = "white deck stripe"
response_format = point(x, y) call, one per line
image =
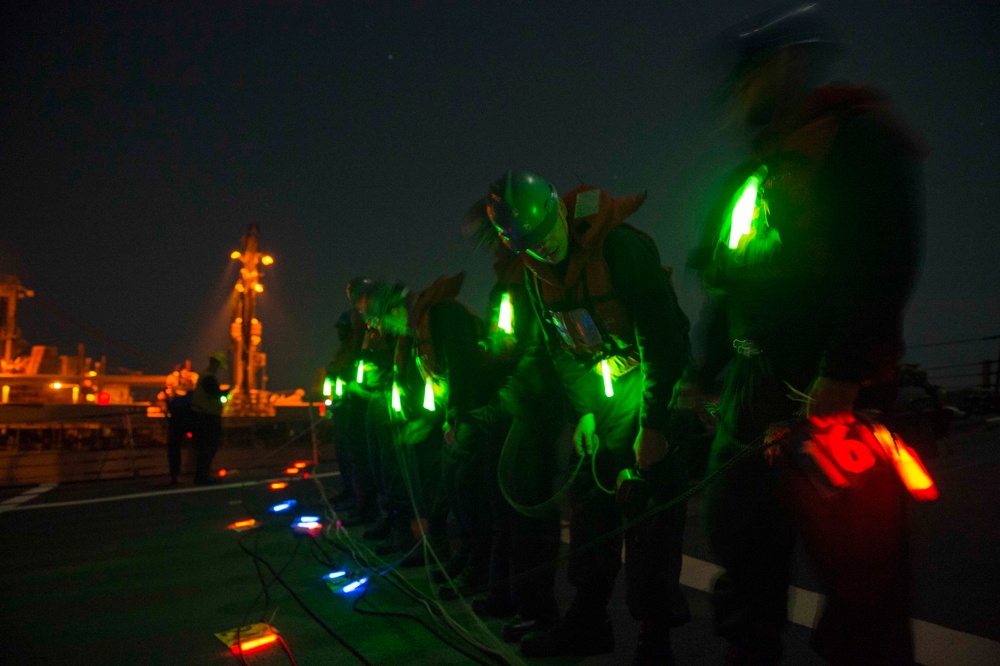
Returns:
point(157, 493)
point(11, 503)
point(934, 645)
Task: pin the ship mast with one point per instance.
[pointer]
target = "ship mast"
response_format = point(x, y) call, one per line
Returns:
point(245, 329)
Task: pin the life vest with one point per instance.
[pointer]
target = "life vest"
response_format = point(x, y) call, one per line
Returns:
point(443, 289)
point(776, 206)
point(202, 402)
point(591, 320)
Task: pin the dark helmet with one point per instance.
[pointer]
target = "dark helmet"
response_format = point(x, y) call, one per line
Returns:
point(382, 297)
point(357, 287)
point(523, 207)
point(754, 39)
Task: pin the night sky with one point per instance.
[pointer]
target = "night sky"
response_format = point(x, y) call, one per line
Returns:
point(140, 139)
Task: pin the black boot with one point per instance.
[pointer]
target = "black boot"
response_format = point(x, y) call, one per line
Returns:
point(521, 626)
point(380, 530)
point(653, 648)
point(399, 540)
point(572, 636)
point(472, 580)
point(491, 607)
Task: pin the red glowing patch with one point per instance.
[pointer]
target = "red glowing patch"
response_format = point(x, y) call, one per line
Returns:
point(243, 525)
point(246, 646)
point(222, 472)
point(250, 637)
point(843, 448)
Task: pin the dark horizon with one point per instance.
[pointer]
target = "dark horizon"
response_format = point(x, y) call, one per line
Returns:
point(140, 141)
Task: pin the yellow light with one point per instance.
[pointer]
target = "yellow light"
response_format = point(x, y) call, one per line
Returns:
point(6, 394)
point(428, 395)
point(90, 397)
point(235, 254)
point(278, 485)
point(92, 373)
point(606, 373)
point(56, 385)
point(246, 646)
point(505, 320)
point(259, 288)
point(76, 394)
point(240, 288)
point(397, 403)
point(745, 207)
point(291, 470)
point(300, 465)
point(242, 524)
point(267, 260)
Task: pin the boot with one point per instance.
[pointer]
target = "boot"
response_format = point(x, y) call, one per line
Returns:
point(520, 626)
point(453, 566)
point(378, 531)
point(472, 580)
point(359, 516)
point(572, 636)
point(397, 540)
point(653, 648)
point(491, 607)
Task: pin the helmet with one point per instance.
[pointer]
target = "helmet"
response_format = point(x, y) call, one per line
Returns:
point(784, 26)
point(523, 208)
point(357, 287)
point(220, 358)
point(744, 45)
point(382, 297)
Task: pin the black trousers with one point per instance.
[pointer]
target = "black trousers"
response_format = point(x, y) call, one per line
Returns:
point(856, 540)
point(179, 424)
point(207, 433)
point(386, 469)
point(350, 440)
point(653, 548)
point(525, 545)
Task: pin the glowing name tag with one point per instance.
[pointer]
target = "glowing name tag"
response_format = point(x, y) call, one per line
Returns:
point(837, 451)
point(577, 329)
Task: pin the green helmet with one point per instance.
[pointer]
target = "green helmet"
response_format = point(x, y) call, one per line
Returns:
point(523, 207)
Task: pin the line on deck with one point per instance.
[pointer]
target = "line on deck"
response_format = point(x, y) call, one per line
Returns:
point(153, 493)
point(933, 644)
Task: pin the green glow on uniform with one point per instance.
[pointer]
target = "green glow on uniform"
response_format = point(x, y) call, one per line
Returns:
point(397, 404)
point(361, 372)
point(743, 210)
point(428, 395)
point(339, 387)
point(327, 387)
point(606, 373)
point(505, 320)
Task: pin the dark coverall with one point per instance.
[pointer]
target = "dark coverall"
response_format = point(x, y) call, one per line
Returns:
point(455, 333)
point(376, 387)
point(653, 549)
point(349, 433)
point(843, 193)
point(206, 424)
point(529, 409)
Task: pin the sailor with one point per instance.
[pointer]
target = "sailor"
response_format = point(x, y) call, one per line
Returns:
point(611, 324)
point(206, 409)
